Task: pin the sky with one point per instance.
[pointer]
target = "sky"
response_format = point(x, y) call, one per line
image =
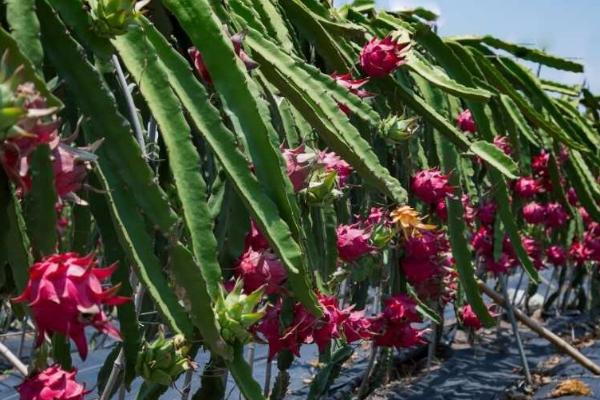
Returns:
point(566, 28)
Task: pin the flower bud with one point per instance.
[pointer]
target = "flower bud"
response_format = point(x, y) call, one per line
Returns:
point(395, 129)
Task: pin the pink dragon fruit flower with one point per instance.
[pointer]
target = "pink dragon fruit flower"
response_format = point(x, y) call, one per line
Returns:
point(441, 210)
point(65, 294)
point(556, 216)
point(393, 327)
point(53, 383)
point(357, 327)
point(419, 270)
point(255, 239)
point(534, 213)
point(502, 266)
point(380, 57)
point(299, 165)
point(326, 328)
point(483, 242)
point(469, 215)
point(352, 242)
point(527, 187)
point(487, 213)
point(539, 163)
point(465, 122)
point(400, 309)
point(572, 197)
point(503, 143)
point(333, 162)
point(579, 253)
point(299, 332)
point(69, 171)
point(556, 255)
point(353, 86)
point(470, 319)
point(377, 216)
point(425, 245)
point(259, 269)
point(587, 219)
point(431, 186)
point(200, 66)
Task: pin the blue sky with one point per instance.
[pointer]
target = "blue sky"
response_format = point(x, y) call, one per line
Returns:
point(567, 28)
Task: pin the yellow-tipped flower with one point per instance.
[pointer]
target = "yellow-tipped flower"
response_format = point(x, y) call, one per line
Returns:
point(409, 221)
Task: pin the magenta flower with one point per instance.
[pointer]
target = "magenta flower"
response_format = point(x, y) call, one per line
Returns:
point(333, 162)
point(556, 255)
point(299, 165)
point(352, 242)
point(534, 213)
point(259, 269)
point(431, 186)
point(465, 122)
point(487, 213)
point(380, 57)
point(353, 86)
point(53, 383)
point(527, 187)
point(65, 294)
point(556, 216)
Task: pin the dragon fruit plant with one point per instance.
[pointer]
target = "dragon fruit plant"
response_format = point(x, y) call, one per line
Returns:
point(190, 180)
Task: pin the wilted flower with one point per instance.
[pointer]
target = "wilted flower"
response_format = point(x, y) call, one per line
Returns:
point(465, 122)
point(65, 295)
point(431, 186)
point(53, 383)
point(380, 57)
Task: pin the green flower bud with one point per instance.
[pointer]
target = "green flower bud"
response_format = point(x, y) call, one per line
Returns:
point(163, 360)
point(114, 17)
point(395, 129)
point(321, 188)
point(236, 312)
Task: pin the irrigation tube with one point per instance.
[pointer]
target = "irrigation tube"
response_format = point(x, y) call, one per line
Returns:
point(550, 336)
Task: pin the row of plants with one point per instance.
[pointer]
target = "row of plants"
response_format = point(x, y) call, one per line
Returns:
point(280, 172)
